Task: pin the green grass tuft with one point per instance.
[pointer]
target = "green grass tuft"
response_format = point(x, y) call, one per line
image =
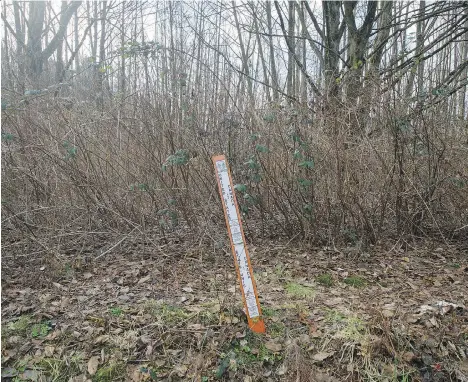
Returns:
point(326, 279)
point(298, 290)
point(355, 281)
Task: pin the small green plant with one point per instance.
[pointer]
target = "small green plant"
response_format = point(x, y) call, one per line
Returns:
point(71, 150)
point(40, 330)
point(60, 369)
point(460, 183)
point(280, 270)
point(208, 318)
point(261, 148)
point(180, 158)
point(252, 163)
point(254, 137)
point(350, 235)
point(326, 279)
point(242, 188)
point(355, 281)
point(347, 327)
point(298, 290)
point(110, 372)
point(149, 372)
point(304, 183)
point(308, 211)
point(168, 218)
point(167, 314)
point(18, 327)
point(139, 186)
point(307, 164)
point(116, 311)
point(276, 329)
point(269, 312)
point(6, 137)
point(268, 356)
point(269, 117)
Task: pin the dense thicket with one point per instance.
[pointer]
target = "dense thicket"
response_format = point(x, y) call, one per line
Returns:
point(342, 121)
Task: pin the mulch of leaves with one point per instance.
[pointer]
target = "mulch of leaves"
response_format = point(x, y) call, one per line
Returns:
point(174, 312)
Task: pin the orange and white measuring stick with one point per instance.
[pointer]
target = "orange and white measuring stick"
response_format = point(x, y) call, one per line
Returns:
point(238, 245)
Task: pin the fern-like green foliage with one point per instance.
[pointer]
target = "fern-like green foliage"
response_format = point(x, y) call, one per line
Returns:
point(180, 158)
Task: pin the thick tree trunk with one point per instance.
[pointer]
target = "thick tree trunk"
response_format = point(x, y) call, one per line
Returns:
point(34, 48)
point(357, 46)
point(333, 33)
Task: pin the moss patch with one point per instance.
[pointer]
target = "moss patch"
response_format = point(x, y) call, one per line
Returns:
point(299, 290)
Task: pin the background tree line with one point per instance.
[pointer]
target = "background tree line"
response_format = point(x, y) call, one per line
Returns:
point(343, 120)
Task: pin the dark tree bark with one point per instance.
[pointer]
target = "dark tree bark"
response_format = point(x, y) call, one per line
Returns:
point(357, 47)
point(36, 55)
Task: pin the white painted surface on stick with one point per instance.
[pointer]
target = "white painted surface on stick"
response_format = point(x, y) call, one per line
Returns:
point(237, 239)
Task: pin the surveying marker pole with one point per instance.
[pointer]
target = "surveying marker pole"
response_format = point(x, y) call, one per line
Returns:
point(238, 245)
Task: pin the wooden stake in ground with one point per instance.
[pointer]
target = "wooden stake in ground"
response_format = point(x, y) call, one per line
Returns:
point(238, 245)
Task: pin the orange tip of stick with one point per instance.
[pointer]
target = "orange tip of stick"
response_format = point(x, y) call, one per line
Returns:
point(257, 327)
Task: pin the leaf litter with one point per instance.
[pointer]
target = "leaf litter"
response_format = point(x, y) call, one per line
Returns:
point(137, 318)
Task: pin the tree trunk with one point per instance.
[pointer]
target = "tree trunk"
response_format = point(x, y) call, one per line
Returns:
point(102, 55)
point(291, 51)
point(261, 55)
point(357, 46)
point(34, 47)
point(333, 33)
point(274, 73)
point(20, 43)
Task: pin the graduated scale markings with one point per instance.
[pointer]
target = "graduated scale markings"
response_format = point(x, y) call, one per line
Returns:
point(238, 244)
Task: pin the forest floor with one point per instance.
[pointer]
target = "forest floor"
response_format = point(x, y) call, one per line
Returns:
point(174, 313)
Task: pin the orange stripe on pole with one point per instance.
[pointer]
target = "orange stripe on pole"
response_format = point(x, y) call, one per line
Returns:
point(238, 245)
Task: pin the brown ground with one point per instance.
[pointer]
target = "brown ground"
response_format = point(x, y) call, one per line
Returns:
point(173, 312)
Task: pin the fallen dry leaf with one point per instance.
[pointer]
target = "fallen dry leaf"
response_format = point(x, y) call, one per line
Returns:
point(322, 356)
point(273, 346)
point(49, 351)
point(93, 364)
point(409, 356)
point(282, 370)
point(144, 279)
point(180, 370)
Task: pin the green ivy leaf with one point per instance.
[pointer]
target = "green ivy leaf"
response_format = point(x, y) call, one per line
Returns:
point(242, 188)
point(269, 117)
point(308, 208)
point(254, 137)
point(261, 148)
point(309, 164)
point(297, 154)
point(252, 163)
point(250, 199)
point(296, 138)
point(7, 137)
point(180, 158)
point(244, 210)
point(304, 182)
